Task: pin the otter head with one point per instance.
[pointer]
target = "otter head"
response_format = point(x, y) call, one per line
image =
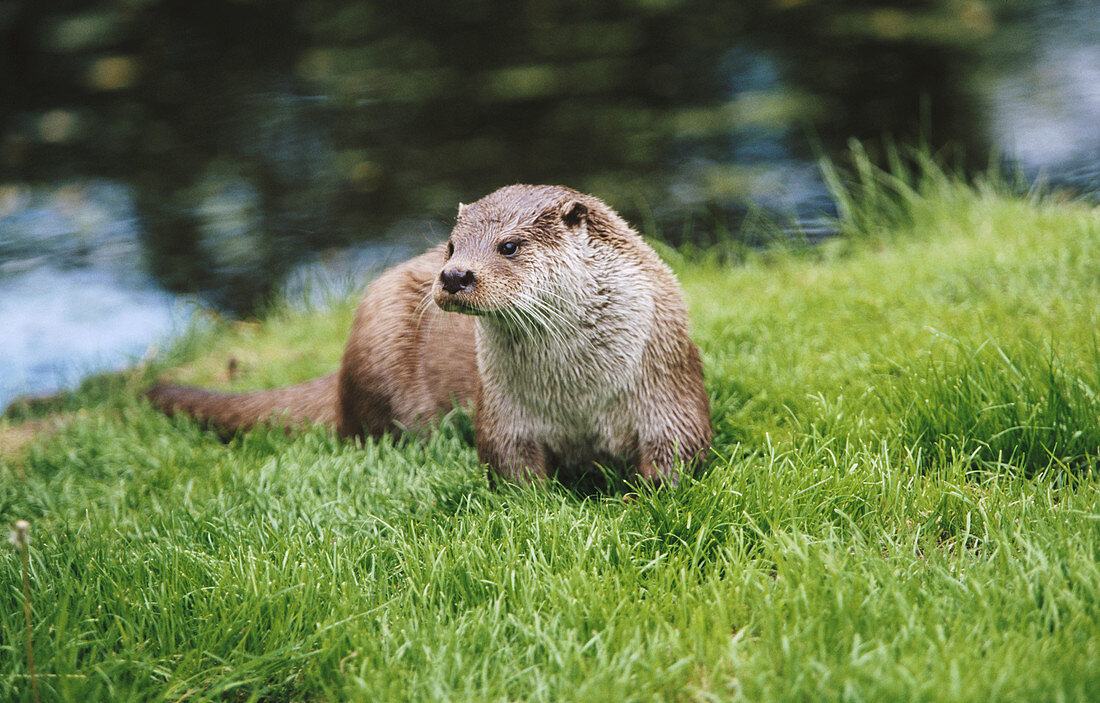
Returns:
point(508, 251)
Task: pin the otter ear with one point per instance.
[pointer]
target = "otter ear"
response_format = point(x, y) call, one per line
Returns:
point(574, 214)
point(462, 208)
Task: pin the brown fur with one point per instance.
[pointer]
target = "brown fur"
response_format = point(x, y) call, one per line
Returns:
point(574, 348)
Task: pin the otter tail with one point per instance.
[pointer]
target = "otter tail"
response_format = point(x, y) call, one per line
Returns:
point(312, 402)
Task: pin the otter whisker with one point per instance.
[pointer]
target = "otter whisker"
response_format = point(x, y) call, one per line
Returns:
point(533, 322)
point(560, 331)
point(562, 298)
point(518, 322)
point(422, 306)
point(556, 314)
point(553, 318)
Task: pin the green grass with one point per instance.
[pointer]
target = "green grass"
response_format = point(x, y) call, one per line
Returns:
point(902, 503)
point(1017, 409)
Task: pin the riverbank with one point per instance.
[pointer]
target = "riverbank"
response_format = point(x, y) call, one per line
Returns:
point(902, 504)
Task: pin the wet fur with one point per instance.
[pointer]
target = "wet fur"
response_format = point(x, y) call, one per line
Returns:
point(574, 350)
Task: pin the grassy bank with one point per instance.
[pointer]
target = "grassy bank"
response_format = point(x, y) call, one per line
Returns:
point(902, 504)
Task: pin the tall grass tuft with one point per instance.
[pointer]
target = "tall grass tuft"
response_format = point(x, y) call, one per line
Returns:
point(879, 197)
point(1021, 408)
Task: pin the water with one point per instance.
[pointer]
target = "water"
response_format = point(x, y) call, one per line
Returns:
point(75, 298)
point(310, 189)
point(59, 325)
point(1044, 109)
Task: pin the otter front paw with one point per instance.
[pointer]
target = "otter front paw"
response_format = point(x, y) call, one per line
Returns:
point(523, 463)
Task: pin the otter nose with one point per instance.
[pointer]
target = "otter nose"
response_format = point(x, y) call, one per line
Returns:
point(455, 280)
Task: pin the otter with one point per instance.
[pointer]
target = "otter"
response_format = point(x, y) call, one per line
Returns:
point(546, 314)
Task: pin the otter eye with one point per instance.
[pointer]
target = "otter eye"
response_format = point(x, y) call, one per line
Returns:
point(508, 248)
point(450, 249)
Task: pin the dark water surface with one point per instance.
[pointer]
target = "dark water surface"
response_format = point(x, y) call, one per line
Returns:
point(158, 153)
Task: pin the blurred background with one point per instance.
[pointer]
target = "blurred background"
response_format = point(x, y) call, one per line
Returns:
point(160, 151)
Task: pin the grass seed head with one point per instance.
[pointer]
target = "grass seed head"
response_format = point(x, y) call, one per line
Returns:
point(20, 535)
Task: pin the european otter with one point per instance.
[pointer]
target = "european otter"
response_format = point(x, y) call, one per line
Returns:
point(564, 330)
